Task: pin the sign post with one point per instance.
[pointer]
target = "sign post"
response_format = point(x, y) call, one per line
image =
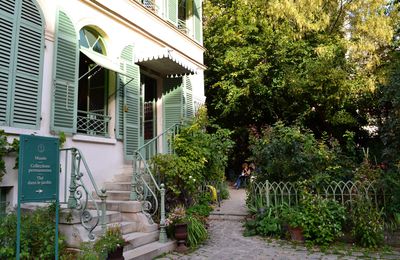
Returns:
point(38, 177)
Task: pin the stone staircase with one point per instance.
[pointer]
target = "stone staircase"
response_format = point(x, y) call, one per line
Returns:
point(141, 236)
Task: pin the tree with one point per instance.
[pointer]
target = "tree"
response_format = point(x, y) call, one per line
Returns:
point(308, 62)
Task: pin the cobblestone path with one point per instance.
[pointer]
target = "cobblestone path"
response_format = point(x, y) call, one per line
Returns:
point(227, 242)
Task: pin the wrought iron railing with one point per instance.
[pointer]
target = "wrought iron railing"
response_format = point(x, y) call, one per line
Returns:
point(149, 4)
point(145, 187)
point(269, 194)
point(93, 123)
point(182, 26)
point(76, 192)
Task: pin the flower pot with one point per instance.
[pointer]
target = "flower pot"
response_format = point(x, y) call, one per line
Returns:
point(117, 254)
point(296, 234)
point(181, 236)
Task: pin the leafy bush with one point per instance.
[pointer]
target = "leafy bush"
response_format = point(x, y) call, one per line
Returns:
point(109, 241)
point(322, 219)
point(201, 154)
point(284, 153)
point(37, 235)
point(264, 224)
point(367, 223)
point(202, 207)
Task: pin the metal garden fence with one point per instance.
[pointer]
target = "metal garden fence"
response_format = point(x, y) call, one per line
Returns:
point(269, 194)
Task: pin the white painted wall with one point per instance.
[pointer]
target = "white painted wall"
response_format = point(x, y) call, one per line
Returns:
point(137, 26)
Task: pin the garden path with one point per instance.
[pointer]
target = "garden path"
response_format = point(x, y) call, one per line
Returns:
point(227, 242)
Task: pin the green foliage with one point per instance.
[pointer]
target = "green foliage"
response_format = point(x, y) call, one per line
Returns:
point(322, 219)
point(264, 224)
point(290, 154)
point(197, 232)
point(324, 65)
point(109, 241)
point(37, 235)
point(201, 208)
point(201, 155)
point(367, 223)
point(88, 252)
point(3, 151)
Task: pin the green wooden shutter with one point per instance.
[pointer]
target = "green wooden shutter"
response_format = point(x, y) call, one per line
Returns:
point(127, 56)
point(21, 61)
point(172, 11)
point(65, 92)
point(173, 101)
point(28, 74)
point(7, 38)
point(197, 10)
point(131, 107)
point(189, 98)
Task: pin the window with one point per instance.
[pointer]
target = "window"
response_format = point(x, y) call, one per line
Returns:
point(21, 59)
point(92, 117)
point(3, 200)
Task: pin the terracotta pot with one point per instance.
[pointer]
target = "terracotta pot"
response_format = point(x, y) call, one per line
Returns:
point(296, 234)
point(181, 236)
point(117, 254)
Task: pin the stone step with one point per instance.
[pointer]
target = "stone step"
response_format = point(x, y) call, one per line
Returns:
point(232, 217)
point(119, 205)
point(127, 170)
point(125, 186)
point(138, 239)
point(150, 251)
point(118, 195)
point(125, 177)
point(142, 220)
point(74, 217)
point(126, 228)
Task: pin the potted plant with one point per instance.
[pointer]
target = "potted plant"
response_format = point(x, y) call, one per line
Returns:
point(177, 218)
point(294, 217)
point(111, 243)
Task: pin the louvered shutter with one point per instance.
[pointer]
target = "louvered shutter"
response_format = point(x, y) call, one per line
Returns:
point(21, 61)
point(189, 107)
point(173, 102)
point(172, 11)
point(127, 56)
point(131, 107)
point(197, 10)
point(29, 60)
point(7, 38)
point(65, 92)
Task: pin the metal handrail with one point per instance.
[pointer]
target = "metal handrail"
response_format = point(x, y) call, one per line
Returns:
point(140, 186)
point(79, 194)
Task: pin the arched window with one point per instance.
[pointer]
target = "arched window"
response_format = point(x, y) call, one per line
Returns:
point(93, 84)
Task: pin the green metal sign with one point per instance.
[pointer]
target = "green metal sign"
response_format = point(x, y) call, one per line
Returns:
point(39, 168)
point(38, 177)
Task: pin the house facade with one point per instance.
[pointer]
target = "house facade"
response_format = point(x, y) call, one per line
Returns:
point(109, 75)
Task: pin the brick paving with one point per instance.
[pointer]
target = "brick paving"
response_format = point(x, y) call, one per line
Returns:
point(227, 242)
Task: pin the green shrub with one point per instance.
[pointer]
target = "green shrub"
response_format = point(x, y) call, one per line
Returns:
point(197, 233)
point(367, 223)
point(323, 219)
point(37, 235)
point(201, 154)
point(202, 207)
point(284, 153)
point(264, 224)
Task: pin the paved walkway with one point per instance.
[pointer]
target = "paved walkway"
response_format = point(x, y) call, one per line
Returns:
point(226, 240)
